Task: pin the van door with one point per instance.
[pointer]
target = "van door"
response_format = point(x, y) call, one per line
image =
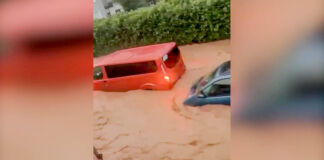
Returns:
point(123, 77)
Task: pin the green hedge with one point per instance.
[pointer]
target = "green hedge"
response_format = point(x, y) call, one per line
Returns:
point(182, 21)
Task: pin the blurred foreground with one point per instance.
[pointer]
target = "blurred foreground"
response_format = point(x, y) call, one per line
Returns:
point(278, 80)
point(45, 83)
point(149, 125)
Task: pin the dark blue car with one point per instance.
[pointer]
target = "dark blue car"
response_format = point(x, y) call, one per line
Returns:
point(214, 88)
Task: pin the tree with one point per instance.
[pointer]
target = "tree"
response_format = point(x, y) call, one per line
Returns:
point(134, 4)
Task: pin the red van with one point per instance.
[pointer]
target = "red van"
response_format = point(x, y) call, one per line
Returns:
point(153, 67)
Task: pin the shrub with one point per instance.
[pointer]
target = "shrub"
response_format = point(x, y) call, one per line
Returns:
point(182, 21)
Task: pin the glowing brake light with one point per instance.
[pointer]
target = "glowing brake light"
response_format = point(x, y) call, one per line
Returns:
point(167, 78)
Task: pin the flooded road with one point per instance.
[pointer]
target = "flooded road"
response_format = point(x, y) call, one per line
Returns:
point(154, 125)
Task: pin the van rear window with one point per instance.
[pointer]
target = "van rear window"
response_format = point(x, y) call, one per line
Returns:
point(172, 58)
point(122, 70)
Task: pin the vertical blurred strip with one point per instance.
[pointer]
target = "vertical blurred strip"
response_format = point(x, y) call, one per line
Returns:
point(45, 80)
point(278, 79)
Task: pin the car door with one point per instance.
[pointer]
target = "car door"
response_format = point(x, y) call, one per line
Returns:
point(218, 92)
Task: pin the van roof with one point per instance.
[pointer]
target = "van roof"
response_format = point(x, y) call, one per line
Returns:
point(138, 54)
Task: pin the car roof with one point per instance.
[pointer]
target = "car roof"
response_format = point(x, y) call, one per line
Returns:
point(137, 54)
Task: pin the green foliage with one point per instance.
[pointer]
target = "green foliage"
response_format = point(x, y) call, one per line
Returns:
point(182, 21)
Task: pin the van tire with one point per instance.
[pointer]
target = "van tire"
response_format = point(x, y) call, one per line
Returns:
point(148, 87)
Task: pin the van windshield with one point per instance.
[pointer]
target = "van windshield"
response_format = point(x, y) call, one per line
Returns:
point(121, 70)
point(172, 58)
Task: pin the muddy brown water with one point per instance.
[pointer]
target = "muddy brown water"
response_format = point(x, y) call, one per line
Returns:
point(154, 125)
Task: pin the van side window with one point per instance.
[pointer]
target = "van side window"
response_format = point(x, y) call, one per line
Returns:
point(172, 58)
point(121, 70)
point(97, 73)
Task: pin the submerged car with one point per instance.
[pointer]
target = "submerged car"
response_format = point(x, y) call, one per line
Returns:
point(152, 67)
point(214, 88)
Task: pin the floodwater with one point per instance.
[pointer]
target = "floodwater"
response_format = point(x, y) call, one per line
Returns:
point(154, 125)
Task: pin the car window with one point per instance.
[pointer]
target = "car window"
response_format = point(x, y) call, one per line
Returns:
point(121, 70)
point(172, 58)
point(226, 81)
point(226, 68)
point(97, 73)
point(217, 90)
